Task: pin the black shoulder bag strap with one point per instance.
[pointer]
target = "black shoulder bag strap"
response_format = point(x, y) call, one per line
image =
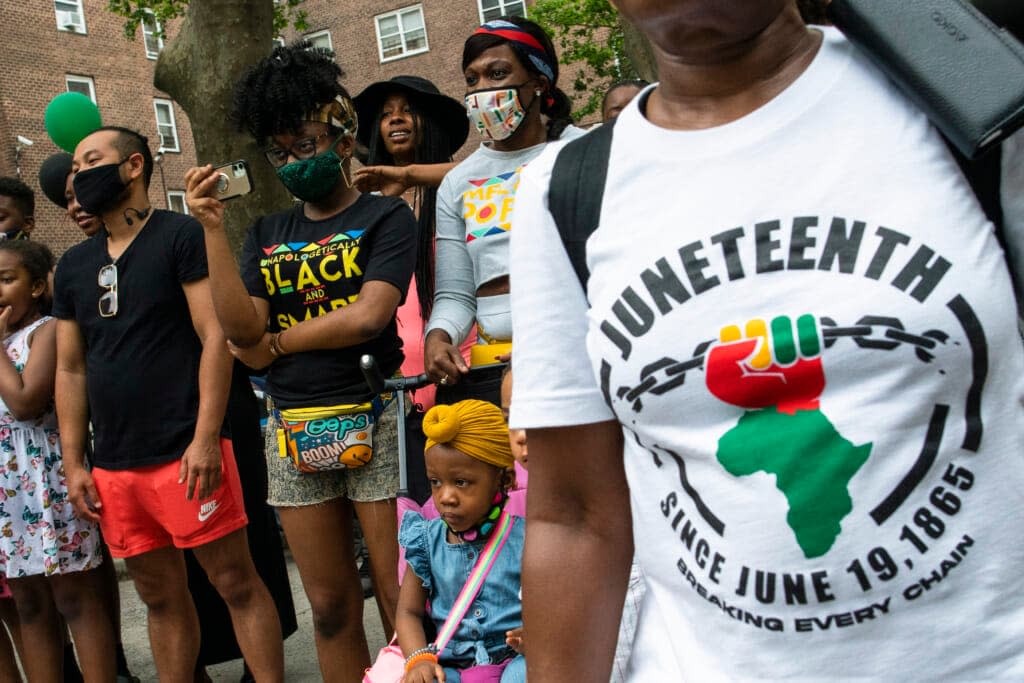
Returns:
point(581, 169)
point(984, 175)
point(576, 192)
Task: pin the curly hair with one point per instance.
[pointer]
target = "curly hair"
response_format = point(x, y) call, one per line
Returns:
point(21, 195)
point(559, 108)
point(275, 94)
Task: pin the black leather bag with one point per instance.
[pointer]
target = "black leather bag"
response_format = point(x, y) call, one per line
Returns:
point(963, 71)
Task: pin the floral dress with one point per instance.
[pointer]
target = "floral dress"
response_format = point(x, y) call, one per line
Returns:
point(39, 533)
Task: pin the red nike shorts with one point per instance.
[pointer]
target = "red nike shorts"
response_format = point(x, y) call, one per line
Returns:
point(145, 508)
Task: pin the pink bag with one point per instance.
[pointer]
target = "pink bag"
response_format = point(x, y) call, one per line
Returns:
point(484, 673)
point(389, 666)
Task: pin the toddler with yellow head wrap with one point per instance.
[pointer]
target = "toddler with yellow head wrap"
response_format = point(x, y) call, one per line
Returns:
point(469, 466)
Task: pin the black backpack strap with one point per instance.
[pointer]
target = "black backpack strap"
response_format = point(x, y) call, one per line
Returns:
point(576, 192)
point(984, 175)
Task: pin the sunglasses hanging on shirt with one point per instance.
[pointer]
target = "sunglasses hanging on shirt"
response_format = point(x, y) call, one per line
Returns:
point(108, 280)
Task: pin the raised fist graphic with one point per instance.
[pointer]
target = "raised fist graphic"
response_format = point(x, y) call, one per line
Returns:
point(777, 365)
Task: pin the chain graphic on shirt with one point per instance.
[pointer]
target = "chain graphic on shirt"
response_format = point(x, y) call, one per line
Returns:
point(883, 333)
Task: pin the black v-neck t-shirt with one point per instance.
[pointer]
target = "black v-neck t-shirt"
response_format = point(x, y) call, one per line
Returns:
point(307, 268)
point(142, 365)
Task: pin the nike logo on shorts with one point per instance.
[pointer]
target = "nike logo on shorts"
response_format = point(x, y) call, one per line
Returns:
point(207, 510)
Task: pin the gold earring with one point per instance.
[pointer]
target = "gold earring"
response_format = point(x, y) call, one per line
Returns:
point(346, 176)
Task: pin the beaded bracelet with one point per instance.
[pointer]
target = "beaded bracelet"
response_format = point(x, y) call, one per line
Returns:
point(422, 655)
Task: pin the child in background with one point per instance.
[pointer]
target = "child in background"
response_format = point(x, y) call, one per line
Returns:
point(516, 437)
point(17, 206)
point(618, 96)
point(46, 553)
point(469, 468)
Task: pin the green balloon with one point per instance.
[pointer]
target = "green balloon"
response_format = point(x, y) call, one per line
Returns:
point(69, 118)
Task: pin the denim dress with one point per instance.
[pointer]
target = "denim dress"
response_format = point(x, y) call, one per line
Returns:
point(444, 567)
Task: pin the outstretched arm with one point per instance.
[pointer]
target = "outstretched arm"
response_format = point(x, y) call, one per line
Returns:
point(587, 518)
point(393, 181)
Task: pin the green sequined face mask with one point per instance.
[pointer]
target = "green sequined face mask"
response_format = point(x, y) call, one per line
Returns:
point(312, 179)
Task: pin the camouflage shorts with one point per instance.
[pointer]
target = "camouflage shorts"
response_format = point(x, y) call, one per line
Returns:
point(376, 480)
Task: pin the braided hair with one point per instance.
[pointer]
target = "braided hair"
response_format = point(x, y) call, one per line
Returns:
point(557, 106)
point(431, 148)
point(275, 94)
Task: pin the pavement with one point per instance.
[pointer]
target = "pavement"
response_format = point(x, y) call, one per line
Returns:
point(300, 663)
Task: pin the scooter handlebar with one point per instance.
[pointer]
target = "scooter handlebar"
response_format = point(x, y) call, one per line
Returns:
point(379, 385)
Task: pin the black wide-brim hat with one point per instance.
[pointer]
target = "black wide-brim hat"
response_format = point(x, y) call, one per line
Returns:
point(449, 113)
point(53, 178)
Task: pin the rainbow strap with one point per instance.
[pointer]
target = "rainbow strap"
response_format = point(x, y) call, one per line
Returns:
point(474, 582)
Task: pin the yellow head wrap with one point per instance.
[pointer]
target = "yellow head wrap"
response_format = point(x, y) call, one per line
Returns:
point(339, 113)
point(476, 428)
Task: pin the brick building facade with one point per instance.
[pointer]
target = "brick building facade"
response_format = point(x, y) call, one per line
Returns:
point(50, 46)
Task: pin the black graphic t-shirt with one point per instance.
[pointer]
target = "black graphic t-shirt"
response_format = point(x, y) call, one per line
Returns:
point(142, 364)
point(307, 269)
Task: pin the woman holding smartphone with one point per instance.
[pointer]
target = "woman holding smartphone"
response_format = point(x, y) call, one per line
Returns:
point(317, 287)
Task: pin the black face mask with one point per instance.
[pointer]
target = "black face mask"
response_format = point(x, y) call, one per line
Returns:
point(99, 188)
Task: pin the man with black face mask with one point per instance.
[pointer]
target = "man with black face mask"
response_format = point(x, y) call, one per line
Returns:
point(141, 353)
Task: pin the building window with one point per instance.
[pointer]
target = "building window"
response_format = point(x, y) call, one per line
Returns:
point(492, 9)
point(321, 39)
point(176, 201)
point(82, 84)
point(165, 125)
point(401, 33)
point(152, 35)
point(70, 16)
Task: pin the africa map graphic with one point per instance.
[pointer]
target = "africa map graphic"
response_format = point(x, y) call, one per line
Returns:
point(783, 431)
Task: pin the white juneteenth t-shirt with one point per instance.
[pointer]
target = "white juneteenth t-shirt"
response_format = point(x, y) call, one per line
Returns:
point(806, 328)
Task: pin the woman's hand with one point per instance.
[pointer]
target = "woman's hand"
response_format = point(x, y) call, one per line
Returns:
point(514, 639)
point(390, 181)
point(256, 357)
point(200, 186)
point(444, 364)
point(424, 672)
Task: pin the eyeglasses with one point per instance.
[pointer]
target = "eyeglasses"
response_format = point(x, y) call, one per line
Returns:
point(303, 149)
point(108, 280)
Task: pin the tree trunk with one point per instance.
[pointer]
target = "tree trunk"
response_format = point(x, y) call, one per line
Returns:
point(217, 41)
point(639, 51)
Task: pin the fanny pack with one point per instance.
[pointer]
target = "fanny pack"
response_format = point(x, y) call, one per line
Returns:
point(331, 437)
point(486, 349)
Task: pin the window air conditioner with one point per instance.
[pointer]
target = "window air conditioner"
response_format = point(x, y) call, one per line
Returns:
point(69, 20)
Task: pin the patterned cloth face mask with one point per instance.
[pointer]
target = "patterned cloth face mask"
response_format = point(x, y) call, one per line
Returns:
point(496, 113)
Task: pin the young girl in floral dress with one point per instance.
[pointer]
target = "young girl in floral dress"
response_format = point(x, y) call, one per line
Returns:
point(46, 553)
